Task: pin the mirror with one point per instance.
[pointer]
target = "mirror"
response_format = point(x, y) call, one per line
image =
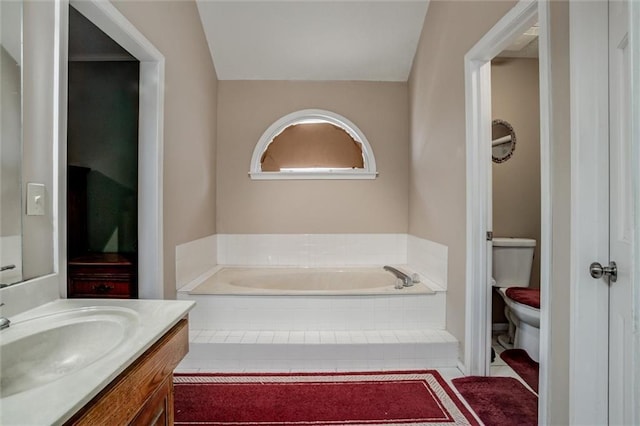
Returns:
point(10, 142)
point(503, 141)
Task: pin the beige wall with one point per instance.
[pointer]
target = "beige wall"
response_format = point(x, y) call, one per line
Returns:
point(515, 98)
point(174, 28)
point(437, 185)
point(559, 298)
point(38, 134)
point(247, 108)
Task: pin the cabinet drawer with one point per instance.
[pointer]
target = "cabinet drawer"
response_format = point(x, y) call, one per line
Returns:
point(102, 288)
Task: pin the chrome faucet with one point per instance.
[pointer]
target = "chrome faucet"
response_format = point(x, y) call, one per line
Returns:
point(407, 281)
point(4, 322)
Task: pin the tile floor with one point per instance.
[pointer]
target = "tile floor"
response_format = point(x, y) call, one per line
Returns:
point(499, 368)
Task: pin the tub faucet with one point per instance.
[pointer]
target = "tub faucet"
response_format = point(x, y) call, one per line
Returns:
point(4, 322)
point(407, 281)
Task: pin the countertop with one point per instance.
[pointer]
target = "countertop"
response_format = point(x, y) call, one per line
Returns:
point(56, 401)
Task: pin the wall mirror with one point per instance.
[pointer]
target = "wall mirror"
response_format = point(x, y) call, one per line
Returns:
point(10, 142)
point(503, 141)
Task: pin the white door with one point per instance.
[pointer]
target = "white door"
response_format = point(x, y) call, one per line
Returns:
point(621, 218)
point(607, 189)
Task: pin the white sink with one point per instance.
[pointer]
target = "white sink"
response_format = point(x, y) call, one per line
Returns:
point(40, 350)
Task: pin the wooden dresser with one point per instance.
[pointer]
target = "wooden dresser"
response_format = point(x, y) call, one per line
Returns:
point(104, 275)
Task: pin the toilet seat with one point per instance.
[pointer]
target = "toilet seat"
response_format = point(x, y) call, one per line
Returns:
point(524, 295)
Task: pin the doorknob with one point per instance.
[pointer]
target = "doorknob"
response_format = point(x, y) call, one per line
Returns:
point(597, 271)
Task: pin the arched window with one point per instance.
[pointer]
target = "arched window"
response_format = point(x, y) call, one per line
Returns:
point(313, 144)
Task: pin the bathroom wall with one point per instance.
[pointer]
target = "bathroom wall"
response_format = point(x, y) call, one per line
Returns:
point(175, 29)
point(516, 182)
point(247, 108)
point(559, 298)
point(437, 185)
point(38, 134)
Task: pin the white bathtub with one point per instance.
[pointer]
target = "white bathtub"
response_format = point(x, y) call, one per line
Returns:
point(305, 282)
point(268, 298)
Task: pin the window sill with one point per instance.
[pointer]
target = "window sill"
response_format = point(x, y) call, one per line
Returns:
point(313, 175)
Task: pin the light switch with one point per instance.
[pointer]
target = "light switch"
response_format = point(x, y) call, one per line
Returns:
point(35, 199)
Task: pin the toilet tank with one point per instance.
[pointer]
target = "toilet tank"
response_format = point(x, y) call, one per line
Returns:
point(512, 261)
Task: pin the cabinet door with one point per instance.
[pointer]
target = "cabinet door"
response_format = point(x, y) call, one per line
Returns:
point(158, 410)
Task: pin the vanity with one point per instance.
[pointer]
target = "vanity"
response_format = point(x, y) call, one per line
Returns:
point(89, 362)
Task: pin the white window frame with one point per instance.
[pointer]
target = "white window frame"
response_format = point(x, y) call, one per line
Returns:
point(368, 172)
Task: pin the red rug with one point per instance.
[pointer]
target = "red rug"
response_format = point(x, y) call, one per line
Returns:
point(499, 400)
point(415, 397)
point(520, 361)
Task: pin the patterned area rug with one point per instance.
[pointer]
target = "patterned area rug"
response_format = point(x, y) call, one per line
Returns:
point(401, 398)
point(499, 400)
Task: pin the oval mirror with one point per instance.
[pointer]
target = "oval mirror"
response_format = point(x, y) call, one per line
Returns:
point(503, 141)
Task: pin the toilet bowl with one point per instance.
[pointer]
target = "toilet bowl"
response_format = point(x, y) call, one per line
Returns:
point(512, 263)
point(526, 318)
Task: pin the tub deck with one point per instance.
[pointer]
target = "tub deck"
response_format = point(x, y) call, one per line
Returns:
point(304, 282)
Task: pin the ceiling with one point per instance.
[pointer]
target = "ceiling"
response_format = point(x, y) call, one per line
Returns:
point(313, 40)
point(87, 42)
point(525, 46)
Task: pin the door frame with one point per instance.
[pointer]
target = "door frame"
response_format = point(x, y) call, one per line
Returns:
point(634, 28)
point(478, 134)
point(150, 138)
point(589, 323)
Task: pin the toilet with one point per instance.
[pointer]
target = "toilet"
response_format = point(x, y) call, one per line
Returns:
point(512, 262)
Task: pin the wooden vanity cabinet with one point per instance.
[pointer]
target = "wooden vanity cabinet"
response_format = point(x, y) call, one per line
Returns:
point(143, 393)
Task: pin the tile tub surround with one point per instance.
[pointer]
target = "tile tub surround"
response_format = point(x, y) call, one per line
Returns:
point(429, 259)
point(296, 333)
point(58, 400)
point(311, 250)
point(195, 259)
point(318, 333)
point(289, 313)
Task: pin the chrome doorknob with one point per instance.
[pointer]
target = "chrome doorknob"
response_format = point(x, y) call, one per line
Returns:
point(598, 271)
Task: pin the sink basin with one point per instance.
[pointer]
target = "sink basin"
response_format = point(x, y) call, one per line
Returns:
point(41, 350)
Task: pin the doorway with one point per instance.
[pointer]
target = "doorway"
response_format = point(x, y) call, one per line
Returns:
point(515, 190)
point(150, 136)
point(102, 164)
point(479, 208)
